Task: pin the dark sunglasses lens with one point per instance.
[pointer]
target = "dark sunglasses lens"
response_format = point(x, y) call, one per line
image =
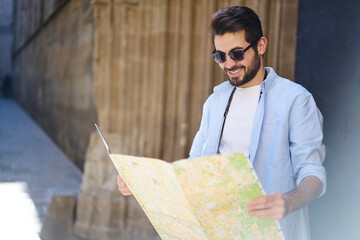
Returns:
point(237, 55)
point(218, 57)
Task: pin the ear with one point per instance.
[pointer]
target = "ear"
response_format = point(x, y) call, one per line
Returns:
point(261, 47)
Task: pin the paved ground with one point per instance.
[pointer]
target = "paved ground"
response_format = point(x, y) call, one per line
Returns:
point(32, 169)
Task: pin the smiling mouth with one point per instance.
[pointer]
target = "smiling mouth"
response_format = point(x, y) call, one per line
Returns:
point(234, 71)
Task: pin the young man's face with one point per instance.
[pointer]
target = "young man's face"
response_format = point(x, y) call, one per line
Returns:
point(239, 73)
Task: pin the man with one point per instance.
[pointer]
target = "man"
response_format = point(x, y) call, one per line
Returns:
point(274, 121)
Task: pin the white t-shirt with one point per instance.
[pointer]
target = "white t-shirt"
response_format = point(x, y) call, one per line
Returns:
point(239, 121)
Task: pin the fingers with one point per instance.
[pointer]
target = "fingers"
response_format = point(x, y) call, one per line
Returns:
point(272, 206)
point(123, 188)
point(265, 201)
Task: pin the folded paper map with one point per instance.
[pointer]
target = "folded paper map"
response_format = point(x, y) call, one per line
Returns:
point(201, 198)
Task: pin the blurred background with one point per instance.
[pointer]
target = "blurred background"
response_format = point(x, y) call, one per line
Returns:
point(142, 70)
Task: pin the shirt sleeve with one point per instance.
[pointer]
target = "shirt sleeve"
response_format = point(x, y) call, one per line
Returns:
point(200, 137)
point(306, 135)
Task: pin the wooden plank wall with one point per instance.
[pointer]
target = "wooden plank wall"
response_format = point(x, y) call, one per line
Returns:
point(153, 70)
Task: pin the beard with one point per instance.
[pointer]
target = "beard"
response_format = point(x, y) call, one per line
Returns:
point(249, 72)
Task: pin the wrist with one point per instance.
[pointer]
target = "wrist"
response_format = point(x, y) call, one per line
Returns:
point(287, 203)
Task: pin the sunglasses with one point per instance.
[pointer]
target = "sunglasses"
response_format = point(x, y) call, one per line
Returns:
point(236, 55)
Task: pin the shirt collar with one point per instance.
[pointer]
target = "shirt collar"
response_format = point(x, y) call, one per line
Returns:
point(270, 80)
point(266, 85)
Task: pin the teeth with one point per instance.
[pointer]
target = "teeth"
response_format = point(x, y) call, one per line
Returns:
point(232, 72)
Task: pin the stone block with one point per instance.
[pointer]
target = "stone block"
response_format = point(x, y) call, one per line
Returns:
point(138, 225)
point(58, 223)
point(100, 215)
point(109, 215)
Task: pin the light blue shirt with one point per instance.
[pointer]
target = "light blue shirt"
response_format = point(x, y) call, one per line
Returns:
point(286, 140)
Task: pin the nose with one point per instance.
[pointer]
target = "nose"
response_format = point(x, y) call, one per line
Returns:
point(229, 63)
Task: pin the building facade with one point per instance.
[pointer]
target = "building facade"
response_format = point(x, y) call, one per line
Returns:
point(142, 70)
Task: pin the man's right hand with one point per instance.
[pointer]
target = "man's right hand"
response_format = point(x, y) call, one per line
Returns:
point(123, 187)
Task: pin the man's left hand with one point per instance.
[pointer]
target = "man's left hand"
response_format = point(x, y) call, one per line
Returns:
point(272, 206)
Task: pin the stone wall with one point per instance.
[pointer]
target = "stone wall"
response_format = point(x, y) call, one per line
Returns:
point(143, 67)
point(53, 79)
point(6, 36)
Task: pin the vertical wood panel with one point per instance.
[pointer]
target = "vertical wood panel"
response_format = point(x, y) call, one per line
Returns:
point(130, 68)
point(273, 23)
point(160, 28)
point(149, 81)
point(142, 83)
point(133, 57)
point(287, 39)
point(137, 61)
point(201, 63)
point(171, 80)
point(119, 27)
point(148, 71)
point(145, 79)
point(102, 38)
point(183, 79)
point(262, 11)
point(124, 67)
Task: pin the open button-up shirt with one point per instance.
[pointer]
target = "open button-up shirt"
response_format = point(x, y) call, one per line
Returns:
point(286, 140)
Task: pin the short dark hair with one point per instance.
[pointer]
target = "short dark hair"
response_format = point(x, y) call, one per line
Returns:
point(236, 18)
